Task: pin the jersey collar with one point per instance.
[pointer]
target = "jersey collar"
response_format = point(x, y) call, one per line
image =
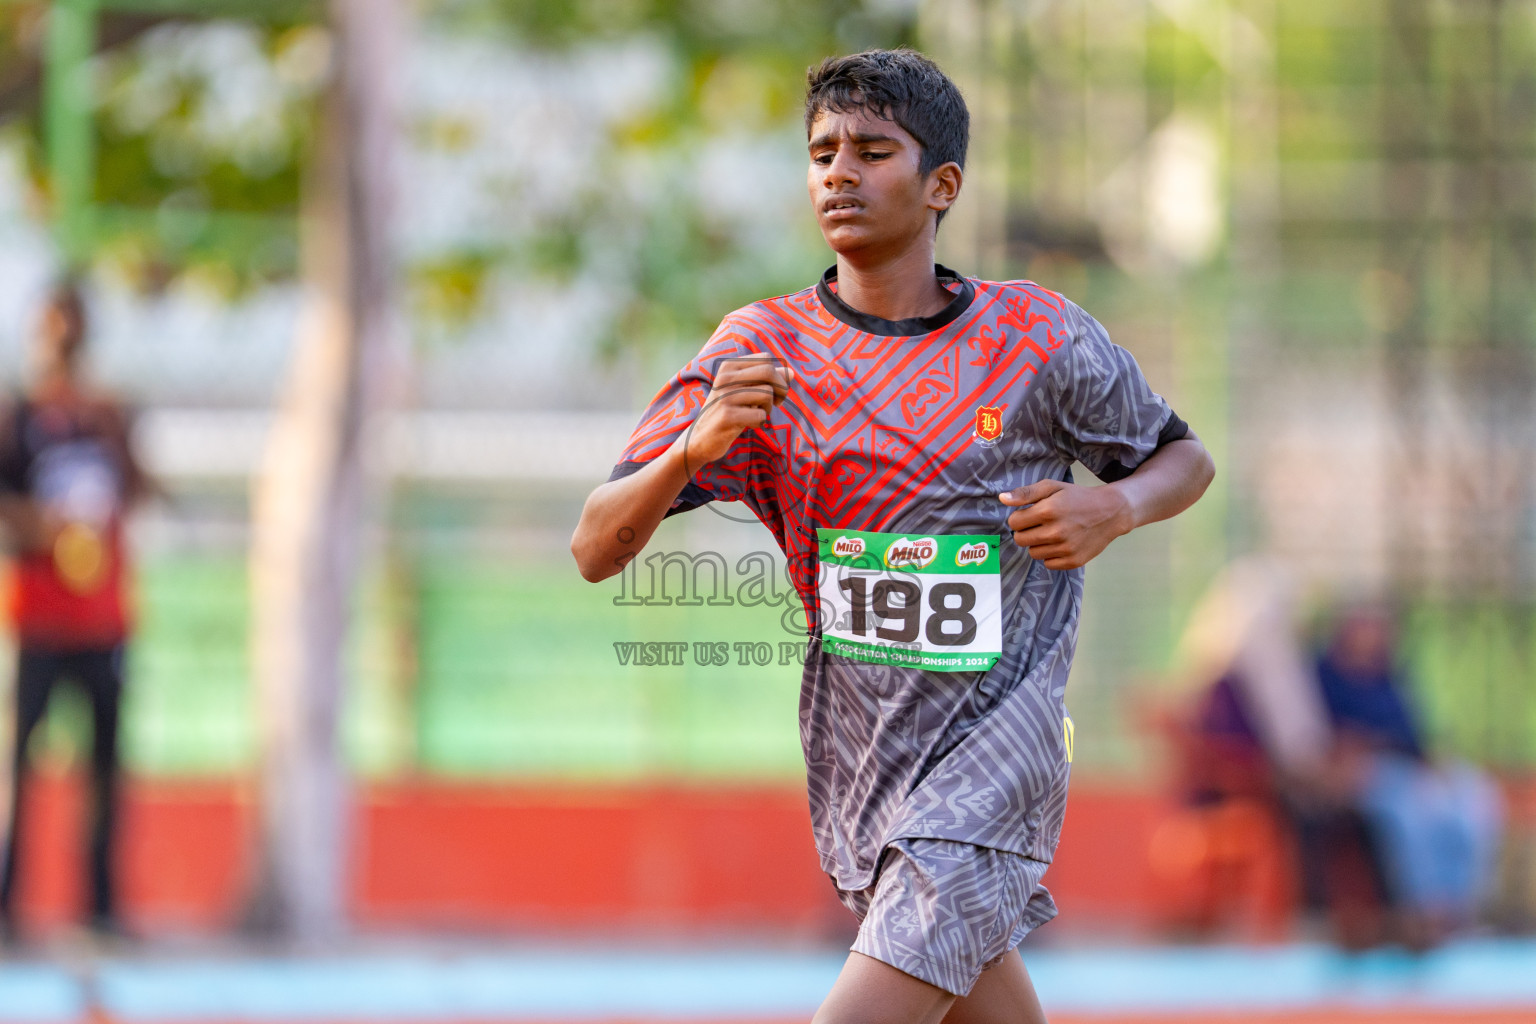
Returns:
point(911, 326)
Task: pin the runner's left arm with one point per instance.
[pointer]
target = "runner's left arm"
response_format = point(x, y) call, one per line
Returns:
point(1108, 417)
point(1065, 525)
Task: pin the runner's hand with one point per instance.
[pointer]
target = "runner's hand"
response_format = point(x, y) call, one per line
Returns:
point(745, 390)
point(1066, 525)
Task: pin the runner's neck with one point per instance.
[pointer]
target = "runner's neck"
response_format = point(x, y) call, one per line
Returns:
point(958, 290)
point(906, 288)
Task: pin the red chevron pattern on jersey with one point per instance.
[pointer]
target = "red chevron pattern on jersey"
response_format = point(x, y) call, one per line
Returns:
point(873, 423)
point(880, 432)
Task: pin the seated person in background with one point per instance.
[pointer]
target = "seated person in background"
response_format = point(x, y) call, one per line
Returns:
point(1436, 827)
point(1250, 741)
point(1256, 732)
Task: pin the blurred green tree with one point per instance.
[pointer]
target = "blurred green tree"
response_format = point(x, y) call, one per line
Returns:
point(736, 73)
point(202, 115)
point(163, 143)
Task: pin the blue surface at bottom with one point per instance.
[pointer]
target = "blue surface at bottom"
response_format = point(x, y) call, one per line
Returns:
point(38, 994)
point(599, 984)
point(502, 984)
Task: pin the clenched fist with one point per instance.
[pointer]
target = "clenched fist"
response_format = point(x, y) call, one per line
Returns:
point(1066, 525)
point(745, 390)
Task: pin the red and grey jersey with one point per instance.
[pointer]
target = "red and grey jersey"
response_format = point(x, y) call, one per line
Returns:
point(914, 427)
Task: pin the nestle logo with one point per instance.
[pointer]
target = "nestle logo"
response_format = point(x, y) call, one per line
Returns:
point(848, 547)
point(910, 553)
point(972, 554)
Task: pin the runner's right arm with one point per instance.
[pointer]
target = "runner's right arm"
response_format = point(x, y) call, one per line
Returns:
point(619, 516)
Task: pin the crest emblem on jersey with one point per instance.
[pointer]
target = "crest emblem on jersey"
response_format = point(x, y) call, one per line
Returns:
point(989, 425)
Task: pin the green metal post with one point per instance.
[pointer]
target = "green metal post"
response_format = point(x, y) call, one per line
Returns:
point(67, 113)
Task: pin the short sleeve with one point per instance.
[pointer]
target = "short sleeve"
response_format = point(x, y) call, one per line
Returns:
point(1106, 414)
point(674, 410)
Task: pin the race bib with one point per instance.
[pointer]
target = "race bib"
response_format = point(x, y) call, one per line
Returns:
point(922, 601)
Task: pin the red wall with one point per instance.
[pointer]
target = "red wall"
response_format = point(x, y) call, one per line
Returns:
point(668, 856)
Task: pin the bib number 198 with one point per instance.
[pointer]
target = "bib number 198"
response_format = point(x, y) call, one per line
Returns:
point(949, 607)
point(926, 602)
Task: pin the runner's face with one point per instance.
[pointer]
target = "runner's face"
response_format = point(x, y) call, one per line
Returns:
point(864, 183)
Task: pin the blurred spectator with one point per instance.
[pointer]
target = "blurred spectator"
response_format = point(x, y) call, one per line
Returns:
point(1250, 729)
point(1436, 826)
point(1390, 844)
point(67, 478)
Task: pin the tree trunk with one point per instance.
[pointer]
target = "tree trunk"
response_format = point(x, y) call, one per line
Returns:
point(308, 511)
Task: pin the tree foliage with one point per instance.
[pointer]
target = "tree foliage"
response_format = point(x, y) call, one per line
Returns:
point(202, 128)
point(200, 132)
point(642, 222)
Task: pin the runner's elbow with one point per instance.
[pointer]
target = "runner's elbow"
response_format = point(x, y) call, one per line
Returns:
point(590, 563)
point(1207, 468)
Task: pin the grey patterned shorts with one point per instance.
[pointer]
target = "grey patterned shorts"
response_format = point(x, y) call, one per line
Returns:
point(944, 911)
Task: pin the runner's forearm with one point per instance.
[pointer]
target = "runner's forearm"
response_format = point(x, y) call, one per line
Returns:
point(620, 516)
point(1171, 480)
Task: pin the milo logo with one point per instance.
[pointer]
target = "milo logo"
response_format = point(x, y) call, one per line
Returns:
point(848, 547)
point(972, 554)
point(907, 553)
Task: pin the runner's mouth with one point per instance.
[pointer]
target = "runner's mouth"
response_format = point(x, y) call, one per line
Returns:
point(838, 207)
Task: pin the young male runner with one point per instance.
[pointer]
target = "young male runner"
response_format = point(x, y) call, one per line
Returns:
point(894, 426)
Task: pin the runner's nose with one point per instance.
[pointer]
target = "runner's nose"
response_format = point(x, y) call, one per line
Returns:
point(841, 171)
